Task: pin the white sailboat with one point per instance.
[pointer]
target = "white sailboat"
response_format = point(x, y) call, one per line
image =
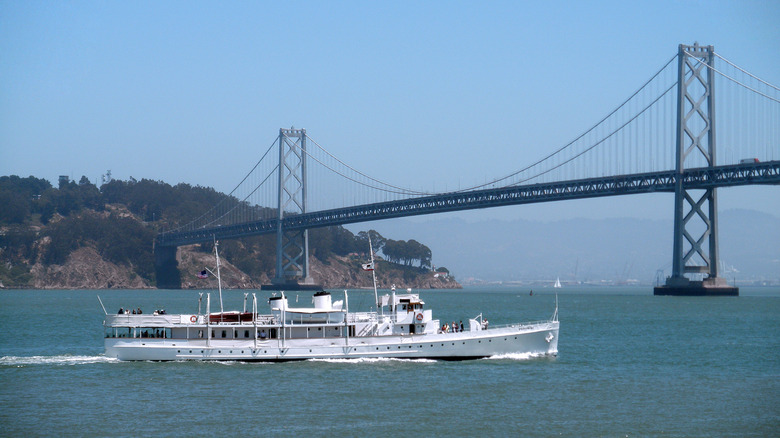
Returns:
point(557, 284)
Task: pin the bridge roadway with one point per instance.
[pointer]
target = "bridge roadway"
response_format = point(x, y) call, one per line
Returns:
point(697, 178)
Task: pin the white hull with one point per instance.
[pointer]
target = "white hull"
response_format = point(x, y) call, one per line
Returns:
point(533, 339)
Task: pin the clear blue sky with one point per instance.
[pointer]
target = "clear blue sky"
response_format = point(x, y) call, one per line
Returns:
point(195, 91)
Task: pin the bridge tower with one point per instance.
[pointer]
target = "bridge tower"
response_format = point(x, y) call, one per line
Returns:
point(695, 145)
point(292, 247)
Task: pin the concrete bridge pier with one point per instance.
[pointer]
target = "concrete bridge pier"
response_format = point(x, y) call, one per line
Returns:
point(166, 267)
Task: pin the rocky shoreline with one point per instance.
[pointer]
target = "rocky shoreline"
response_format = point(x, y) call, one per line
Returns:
point(86, 269)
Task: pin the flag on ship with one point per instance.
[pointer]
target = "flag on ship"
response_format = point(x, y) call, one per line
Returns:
point(368, 266)
point(203, 274)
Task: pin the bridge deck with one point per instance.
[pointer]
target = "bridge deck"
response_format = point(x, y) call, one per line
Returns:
point(699, 178)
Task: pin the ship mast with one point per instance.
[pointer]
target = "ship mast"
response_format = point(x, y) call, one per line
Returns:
point(219, 278)
point(373, 269)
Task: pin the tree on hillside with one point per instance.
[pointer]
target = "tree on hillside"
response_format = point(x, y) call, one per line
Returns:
point(377, 241)
point(400, 251)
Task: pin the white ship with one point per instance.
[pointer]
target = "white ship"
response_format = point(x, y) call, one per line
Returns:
point(401, 327)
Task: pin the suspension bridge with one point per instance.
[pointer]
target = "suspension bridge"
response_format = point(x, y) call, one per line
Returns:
point(662, 138)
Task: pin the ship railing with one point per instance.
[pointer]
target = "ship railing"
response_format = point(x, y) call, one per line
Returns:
point(362, 317)
point(135, 320)
point(265, 320)
point(546, 323)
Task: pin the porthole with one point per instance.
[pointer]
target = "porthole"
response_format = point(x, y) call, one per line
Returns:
point(178, 351)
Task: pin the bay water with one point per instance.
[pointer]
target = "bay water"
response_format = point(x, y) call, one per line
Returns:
point(629, 364)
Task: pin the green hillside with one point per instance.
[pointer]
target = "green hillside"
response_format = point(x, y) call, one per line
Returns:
point(50, 234)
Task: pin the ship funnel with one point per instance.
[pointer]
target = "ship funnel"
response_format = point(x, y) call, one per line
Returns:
point(278, 303)
point(322, 301)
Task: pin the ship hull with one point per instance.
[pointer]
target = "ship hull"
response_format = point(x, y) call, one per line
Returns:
point(539, 339)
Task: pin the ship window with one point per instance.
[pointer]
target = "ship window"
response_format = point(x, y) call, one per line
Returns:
point(224, 333)
point(246, 333)
point(212, 334)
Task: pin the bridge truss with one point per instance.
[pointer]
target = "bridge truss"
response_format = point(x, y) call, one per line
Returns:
point(700, 178)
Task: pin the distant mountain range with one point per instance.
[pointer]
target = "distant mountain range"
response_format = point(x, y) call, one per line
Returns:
point(586, 250)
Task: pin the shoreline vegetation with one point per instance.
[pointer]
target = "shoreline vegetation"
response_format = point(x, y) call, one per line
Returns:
point(79, 236)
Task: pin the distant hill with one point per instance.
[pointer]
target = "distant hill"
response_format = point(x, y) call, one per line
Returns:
point(80, 236)
point(617, 250)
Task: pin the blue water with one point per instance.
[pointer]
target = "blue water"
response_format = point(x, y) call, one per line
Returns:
point(629, 364)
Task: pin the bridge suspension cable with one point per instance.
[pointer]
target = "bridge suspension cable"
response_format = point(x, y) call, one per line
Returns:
point(572, 142)
point(605, 138)
point(746, 72)
point(213, 215)
point(396, 189)
point(736, 81)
